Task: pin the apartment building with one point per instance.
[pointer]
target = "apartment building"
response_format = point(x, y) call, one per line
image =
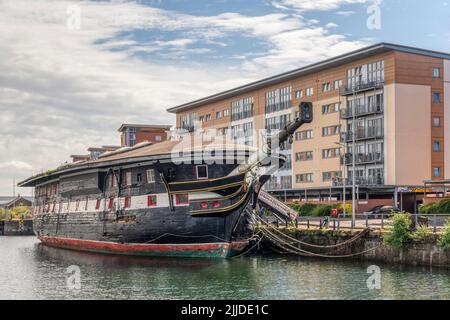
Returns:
point(386, 107)
point(132, 134)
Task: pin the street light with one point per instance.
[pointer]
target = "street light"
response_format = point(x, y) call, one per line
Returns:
point(344, 181)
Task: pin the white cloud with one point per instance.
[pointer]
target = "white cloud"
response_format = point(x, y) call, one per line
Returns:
point(319, 5)
point(62, 91)
point(331, 25)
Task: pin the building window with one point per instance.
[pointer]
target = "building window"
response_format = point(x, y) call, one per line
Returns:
point(298, 94)
point(326, 87)
point(278, 99)
point(337, 84)
point(304, 156)
point(277, 123)
point(304, 178)
point(151, 176)
point(437, 146)
point(436, 121)
point(331, 175)
point(331, 131)
point(219, 115)
point(436, 97)
point(304, 135)
point(158, 138)
point(437, 172)
point(331, 108)
point(127, 178)
point(242, 109)
point(181, 199)
point(202, 172)
point(331, 153)
point(226, 113)
point(139, 178)
point(208, 117)
point(201, 119)
point(242, 131)
point(309, 92)
point(437, 72)
point(151, 200)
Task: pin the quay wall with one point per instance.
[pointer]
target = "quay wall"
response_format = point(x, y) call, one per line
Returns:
point(415, 254)
point(16, 228)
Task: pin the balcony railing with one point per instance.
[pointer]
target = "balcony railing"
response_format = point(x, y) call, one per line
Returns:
point(363, 158)
point(361, 86)
point(366, 134)
point(369, 181)
point(362, 110)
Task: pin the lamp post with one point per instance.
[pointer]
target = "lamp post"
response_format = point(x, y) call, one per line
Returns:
point(344, 181)
point(353, 159)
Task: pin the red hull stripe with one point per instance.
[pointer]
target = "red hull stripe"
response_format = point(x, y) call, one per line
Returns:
point(212, 250)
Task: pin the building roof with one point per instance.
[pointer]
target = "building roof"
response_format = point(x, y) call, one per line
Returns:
point(144, 126)
point(104, 148)
point(7, 201)
point(312, 68)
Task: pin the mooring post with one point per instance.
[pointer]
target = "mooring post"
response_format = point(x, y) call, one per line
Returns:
point(367, 220)
point(307, 223)
point(339, 224)
point(320, 224)
point(434, 224)
point(382, 221)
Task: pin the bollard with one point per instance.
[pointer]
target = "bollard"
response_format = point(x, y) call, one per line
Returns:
point(339, 224)
point(296, 223)
point(382, 221)
point(307, 223)
point(367, 220)
point(320, 224)
point(334, 225)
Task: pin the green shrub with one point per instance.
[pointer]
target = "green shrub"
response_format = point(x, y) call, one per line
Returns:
point(442, 206)
point(321, 210)
point(444, 239)
point(401, 230)
point(422, 234)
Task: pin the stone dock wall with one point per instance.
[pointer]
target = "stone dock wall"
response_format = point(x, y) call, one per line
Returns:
point(416, 254)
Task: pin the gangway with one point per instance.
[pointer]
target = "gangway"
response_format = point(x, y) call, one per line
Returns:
point(277, 207)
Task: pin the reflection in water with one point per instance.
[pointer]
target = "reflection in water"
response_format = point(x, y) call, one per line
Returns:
point(33, 271)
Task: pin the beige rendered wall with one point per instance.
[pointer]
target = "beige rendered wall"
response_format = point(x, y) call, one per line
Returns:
point(389, 134)
point(447, 118)
point(408, 134)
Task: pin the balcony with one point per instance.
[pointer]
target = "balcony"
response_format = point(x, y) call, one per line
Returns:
point(361, 87)
point(367, 134)
point(369, 181)
point(363, 158)
point(364, 110)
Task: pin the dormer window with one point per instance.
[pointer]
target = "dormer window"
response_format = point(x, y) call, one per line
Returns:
point(202, 172)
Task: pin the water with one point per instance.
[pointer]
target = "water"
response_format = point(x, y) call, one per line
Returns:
point(30, 270)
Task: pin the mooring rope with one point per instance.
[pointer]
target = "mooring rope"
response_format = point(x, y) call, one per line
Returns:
point(290, 248)
point(342, 244)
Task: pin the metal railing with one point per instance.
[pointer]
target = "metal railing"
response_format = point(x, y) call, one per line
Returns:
point(361, 86)
point(369, 133)
point(435, 222)
point(363, 158)
point(362, 110)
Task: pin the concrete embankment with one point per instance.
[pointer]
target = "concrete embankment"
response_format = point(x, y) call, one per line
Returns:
point(373, 246)
point(16, 228)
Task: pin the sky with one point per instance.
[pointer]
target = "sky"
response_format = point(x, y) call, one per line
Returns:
point(71, 72)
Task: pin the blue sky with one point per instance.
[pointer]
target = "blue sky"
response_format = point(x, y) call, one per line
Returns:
point(64, 88)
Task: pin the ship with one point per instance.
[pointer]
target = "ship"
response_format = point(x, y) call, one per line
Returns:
point(173, 198)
